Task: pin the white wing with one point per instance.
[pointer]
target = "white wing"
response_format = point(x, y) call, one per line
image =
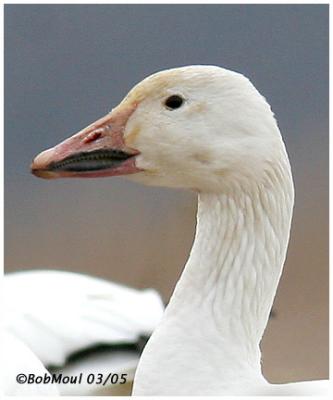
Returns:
point(57, 313)
point(18, 359)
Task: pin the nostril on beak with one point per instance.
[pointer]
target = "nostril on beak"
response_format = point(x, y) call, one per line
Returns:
point(93, 136)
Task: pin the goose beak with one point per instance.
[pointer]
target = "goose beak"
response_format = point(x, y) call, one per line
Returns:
point(97, 151)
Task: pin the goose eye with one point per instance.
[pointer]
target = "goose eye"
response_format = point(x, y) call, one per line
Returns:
point(174, 101)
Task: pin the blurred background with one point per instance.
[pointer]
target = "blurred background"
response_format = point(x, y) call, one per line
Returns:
point(67, 65)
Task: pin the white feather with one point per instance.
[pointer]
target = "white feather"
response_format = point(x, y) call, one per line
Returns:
point(57, 313)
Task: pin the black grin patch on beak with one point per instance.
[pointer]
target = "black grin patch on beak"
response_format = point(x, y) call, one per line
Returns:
point(91, 161)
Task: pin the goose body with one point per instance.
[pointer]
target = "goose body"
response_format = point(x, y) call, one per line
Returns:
point(206, 129)
point(55, 314)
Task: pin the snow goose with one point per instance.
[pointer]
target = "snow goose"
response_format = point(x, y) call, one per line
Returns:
point(207, 129)
point(58, 313)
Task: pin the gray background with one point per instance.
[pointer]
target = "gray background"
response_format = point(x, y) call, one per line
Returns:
point(65, 66)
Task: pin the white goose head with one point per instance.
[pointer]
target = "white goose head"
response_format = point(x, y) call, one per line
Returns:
point(208, 129)
point(197, 127)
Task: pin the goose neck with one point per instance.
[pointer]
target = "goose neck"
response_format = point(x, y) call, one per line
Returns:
point(236, 260)
point(217, 314)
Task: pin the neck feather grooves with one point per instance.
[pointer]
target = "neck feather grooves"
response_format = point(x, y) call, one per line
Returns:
point(237, 257)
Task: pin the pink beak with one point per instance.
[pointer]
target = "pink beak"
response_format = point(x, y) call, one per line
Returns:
point(97, 151)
